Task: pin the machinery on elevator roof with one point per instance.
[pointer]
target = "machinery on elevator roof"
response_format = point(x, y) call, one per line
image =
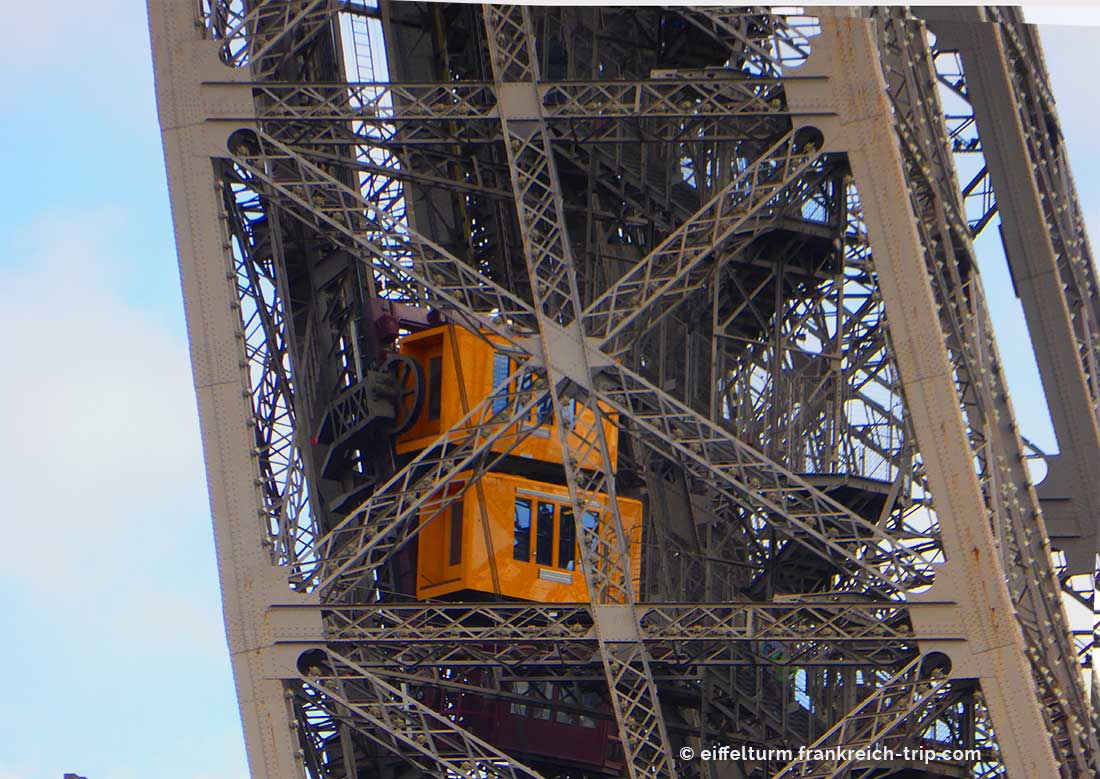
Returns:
point(583, 388)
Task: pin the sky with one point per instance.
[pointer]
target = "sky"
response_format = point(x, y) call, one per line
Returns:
point(115, 658)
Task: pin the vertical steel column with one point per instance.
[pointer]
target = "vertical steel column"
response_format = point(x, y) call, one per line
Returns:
point(995, 652)
point(184, 61)
point(1048, 256)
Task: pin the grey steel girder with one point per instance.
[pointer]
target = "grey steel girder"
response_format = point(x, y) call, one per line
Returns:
point(846, 46)
point(899, 699)
point(1052, 269)
point(605, 557)
point(465, 293)
point(251, 582)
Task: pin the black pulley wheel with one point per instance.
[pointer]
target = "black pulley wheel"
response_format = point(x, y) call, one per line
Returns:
point(411, 387)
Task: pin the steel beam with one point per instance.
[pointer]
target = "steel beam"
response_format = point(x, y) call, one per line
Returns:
point(251, 581)
point(605, 555)
point(1052, 270)
point(801, 370)
point(997, 653)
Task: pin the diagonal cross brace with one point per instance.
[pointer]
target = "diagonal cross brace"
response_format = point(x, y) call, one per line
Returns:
point(469, 300)
point(751, 479)
point(899, 700)
point(403, 724)
point(748, 204)
point(410, 262)
point(605, 556)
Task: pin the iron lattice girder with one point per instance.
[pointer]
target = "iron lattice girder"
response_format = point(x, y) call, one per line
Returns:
point(285, 498)
point(750, 479)
point(404, 137)
point(979, 190)
point(911, 84)
point(664, 276)
point(261, 36)
point(907, 696)
point(412, 263)
point(604, 552)
point(630, 394)
point(1061, 209)
point(473, 298)
point(1038, 598)
point(689, 94)
point(1046, 221)
point(900, 224)
point(685, 253)
point(1051, 263)
point(677, 636)
point(462, 302)
point(406, 726)
point(900, 699)
point(419, 269)
point(680, 660)
point(752, 32)
point(817, 618)
point(1048, 256)
point(727, 271)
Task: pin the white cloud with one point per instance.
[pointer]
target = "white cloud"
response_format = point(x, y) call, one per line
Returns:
point(108, 548)
point(101, 471)
point(99, 409)
point(77, 62)
point(67, 27)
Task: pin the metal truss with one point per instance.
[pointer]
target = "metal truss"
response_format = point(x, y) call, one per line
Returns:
point(262, 36)
point(690, 225)
point(1009, 493)
point(898, 700)
point(830, 631)
point(1047, 253)
point(749, 479)
point(978, 194)
point(406, 726)
point(771, 42)
point(605, 558)
point(290, 524)
point(729, 456)
point(680, 94)
point(665, 278)
point(919, 143)
point(418, 270)
point(1061, 211)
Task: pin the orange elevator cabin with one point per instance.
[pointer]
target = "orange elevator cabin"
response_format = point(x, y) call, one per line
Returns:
point(512, 532)
point(461, 370)
point(535, 553)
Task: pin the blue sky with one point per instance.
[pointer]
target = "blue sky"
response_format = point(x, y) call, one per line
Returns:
point(116, 666)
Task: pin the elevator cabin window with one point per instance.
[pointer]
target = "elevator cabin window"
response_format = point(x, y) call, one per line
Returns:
point(544, 546)
point(553, 522)
point(521, 548)
point(503, 366)
point(535, 691)
point(454, 556)
point(435, 387)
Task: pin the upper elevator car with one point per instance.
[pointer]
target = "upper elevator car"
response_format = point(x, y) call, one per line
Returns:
point(460, 370)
